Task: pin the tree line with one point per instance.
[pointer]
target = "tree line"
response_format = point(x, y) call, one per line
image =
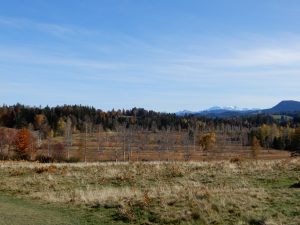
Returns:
point(44, 123)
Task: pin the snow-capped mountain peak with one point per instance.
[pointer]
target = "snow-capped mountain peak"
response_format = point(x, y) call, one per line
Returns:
point(216, 109)
point(227, 108)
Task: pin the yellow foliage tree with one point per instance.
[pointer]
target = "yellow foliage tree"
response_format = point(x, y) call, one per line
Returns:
point(255, 147)
point(61, 125)
point(39, 121)
point(207, 141)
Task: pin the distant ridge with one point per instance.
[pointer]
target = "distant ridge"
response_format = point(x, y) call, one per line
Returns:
point(184, 113)
point(217, 111)
point(284, 106)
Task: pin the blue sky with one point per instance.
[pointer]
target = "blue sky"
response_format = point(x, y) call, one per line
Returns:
point(164, 55)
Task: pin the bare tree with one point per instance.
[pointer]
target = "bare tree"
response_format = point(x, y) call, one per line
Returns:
point(2, 142)
point(85, 140)
point(186, 146)
point(122, 132)
point(168, 142)
point(50, 135)
point(159, 145)
point(10, 136)
point(130, 143)
point(141, 141)
point(172, 142)
point(68, 136)
point(145, 140)
point(99, 138)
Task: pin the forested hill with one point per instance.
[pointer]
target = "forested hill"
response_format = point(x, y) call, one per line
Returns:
point(276, 131)
point(19, 116)
point(284, 107)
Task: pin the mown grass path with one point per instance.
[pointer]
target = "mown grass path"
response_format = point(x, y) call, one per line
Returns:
point(17, 211)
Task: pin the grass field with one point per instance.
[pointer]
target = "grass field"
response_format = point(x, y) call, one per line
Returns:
point(27, 212)
point(220, 192)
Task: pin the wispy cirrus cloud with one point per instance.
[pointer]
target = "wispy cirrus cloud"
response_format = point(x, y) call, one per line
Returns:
point(13, 22)
point(16, 55)
point(261, 57)
point(254, 57)
point(142, 69)
point(58, 30)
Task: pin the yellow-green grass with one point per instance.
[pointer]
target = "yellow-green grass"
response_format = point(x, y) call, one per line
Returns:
point(221, 192)
point(20, 211)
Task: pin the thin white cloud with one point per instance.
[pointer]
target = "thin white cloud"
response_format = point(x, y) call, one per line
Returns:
point(13, 22)
point(50, 28)
point(235, 75)
point(16, 55)
point(263, 57)
point(249, 58)
point(55, 29)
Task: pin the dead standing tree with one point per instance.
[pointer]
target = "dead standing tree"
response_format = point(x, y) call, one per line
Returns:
point(186, 140)
point(123, 133)
point(129, 137)
point(172, 143)
point(159, 145)
point(68, 136)
point(87, 129)
point(2, 143)
point(10, 136)
point(140, 141)
point(100, 139)
point(49, 141)
point(167, 141)
point(193, 130)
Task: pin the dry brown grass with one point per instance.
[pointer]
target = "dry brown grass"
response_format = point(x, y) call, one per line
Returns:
point(223, 192)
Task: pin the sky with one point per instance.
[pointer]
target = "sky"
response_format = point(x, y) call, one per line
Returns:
point(165, 55)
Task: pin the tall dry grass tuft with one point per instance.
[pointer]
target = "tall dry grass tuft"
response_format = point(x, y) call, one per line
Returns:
point(163, 192)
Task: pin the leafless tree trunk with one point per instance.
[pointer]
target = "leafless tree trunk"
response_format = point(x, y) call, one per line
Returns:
point(49, 146)
point(2, 140)
point(116, 155)
point(68, 136)
point(124, 143)
point(195, 134)
point(145, 140)
point(99, 139)
point(122, 131)
point(85, 141)
point(140, 141)
point(1, 149)
point(167, 133)
point(159, 148)
point(130, 144)
point(186, 147)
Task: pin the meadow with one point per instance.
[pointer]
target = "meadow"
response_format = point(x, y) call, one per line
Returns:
point(235, 191)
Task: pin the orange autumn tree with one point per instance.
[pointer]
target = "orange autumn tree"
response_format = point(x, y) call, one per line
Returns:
point(23, 139)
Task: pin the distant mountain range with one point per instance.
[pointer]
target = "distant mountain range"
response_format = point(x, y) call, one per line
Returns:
point(287, 106)
point(284, 106)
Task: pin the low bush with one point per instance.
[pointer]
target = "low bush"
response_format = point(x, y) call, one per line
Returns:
point(236, 159)
point(18, 157)
point(50, 169)
point(73, 159)
point(3, 156)
point(59, 153)
point(44, 159)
